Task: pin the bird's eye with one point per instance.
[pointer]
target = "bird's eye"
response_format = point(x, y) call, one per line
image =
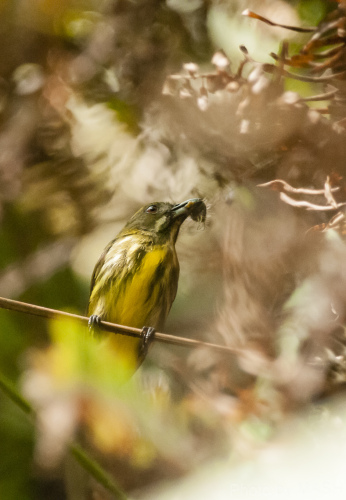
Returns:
point(152, 209)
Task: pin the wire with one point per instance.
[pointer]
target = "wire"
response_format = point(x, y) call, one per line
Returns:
point(45, 312)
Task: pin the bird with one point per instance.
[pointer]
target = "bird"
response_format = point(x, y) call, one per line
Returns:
point(135, 280)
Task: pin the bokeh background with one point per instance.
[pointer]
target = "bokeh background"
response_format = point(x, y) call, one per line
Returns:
point(111, 104)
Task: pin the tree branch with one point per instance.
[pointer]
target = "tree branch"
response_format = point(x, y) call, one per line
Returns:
point(85, 461)
point(15, 305)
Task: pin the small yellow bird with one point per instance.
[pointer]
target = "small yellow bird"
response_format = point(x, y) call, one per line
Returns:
point(135, 281)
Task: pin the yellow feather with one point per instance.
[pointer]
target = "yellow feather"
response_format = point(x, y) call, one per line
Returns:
point(138, 299)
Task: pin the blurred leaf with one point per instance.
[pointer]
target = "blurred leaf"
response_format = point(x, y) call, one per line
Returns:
point(312, 11)
point(126, 113)
point(17, 442)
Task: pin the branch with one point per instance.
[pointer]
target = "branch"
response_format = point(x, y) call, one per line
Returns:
point(282, 186)
point(310, 206)
point(96, 471)
point(270, 68)
point(15, 305)
point(79, 454)
point(249, 13)
point(320, 97)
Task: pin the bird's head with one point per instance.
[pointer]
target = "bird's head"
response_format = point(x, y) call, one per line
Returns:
point(164, 219)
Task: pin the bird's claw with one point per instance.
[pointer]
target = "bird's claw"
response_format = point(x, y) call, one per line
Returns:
point(94, 323)
point(147, 336)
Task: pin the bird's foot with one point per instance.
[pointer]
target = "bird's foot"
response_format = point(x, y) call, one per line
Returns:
point(94, 323)
point(147, 336)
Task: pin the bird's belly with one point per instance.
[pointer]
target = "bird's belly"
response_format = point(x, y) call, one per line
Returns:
point(146, 294)
point(141, 298)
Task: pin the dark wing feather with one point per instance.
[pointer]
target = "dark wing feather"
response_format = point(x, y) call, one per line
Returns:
point(99, 264)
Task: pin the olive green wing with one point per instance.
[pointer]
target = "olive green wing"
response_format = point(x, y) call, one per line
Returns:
point(99, 265)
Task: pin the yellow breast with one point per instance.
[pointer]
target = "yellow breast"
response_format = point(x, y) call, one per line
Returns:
point(137, 290)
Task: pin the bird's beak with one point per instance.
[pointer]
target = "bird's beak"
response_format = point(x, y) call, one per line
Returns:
point(195, 208)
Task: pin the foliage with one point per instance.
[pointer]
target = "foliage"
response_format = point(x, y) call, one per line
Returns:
point(105, 106)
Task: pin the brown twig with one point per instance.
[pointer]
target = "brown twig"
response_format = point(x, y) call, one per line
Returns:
point(249, 13)
point(306, 204)
point(44, 312)
point(280, 185)
point(270, 68)
point(327, 191)
point(320, 97)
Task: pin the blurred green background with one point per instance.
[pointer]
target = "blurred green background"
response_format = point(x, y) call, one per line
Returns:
point(86, 138)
